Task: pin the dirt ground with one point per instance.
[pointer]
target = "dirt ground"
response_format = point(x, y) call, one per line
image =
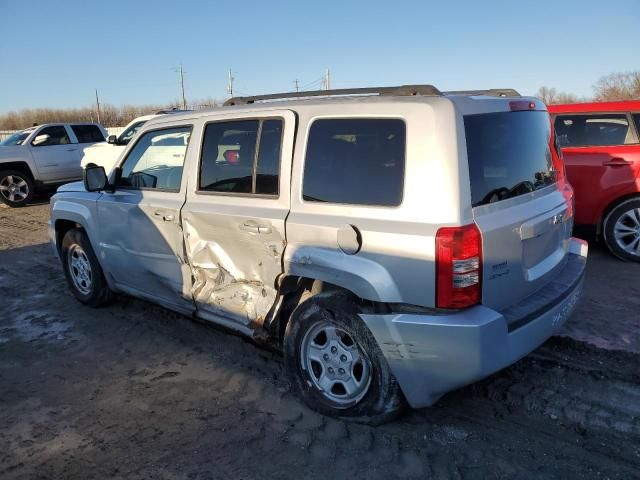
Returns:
point(134, 391)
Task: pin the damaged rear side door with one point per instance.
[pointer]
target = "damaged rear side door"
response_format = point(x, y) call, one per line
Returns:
point(234, 217)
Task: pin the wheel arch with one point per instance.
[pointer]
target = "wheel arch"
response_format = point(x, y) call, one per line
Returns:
point(294, 290)
point(612, 206)
point(19, 166)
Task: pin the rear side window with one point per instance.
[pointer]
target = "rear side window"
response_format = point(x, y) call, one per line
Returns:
point(593, 130)
point(87, 133)
point(636, 119)
point(355, 161)
point(509, 154)
point(241, 157)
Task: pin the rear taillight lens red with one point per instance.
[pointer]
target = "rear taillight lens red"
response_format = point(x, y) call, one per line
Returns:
point(458, 266)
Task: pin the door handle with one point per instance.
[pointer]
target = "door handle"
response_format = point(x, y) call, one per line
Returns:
point(264, 229)
point(165, 218)
point(71, 149)
point(617, 162)
point(251, 227)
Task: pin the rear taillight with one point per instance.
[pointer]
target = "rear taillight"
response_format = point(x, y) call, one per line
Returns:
point(458, 266)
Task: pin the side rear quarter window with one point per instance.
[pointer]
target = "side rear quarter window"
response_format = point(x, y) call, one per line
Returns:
point(355, 161)
point(87, 133)
point(593, 130)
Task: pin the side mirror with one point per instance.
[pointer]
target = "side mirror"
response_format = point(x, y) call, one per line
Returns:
point(95, 178)
point(41, 140)
point(112, 139)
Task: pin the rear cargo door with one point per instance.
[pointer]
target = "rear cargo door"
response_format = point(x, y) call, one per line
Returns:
point(521, 209)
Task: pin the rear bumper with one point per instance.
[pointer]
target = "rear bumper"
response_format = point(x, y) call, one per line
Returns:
point(431, 355)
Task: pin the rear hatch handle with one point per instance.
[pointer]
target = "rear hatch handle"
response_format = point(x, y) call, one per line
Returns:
point(543, 223)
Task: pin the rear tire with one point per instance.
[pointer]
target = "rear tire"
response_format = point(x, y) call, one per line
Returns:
point(336, 365)
point(82, 270)
point(16, 188)
point(622, 230)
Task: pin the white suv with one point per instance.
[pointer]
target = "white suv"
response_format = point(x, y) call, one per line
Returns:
point(42, 157)
point(395, 243)
point(107, 154)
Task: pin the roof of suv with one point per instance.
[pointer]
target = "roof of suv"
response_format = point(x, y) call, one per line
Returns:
point(324, 98)
point(622, 106)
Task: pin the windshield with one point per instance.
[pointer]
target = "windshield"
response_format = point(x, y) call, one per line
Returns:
point(16, 139)
point(509, 154)
point(126, 136)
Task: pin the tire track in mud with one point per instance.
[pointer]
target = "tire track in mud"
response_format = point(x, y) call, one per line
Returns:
point(134, 391)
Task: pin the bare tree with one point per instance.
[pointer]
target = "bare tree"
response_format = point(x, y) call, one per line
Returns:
point(547, 95)
point(550, 96)
point(111, 115)
point(618, 86)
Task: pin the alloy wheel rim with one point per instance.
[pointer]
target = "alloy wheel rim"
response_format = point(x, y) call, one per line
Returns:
point(14, 188)
point(627, 231)
point(80, 269)
point(336, 364)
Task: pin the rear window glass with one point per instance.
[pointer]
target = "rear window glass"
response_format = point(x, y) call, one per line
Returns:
point(509, 154)
point(87, 133)
point(355, 161)
point(593, 130)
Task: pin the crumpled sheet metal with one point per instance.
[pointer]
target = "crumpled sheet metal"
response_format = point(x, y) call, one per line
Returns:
point(219, 284)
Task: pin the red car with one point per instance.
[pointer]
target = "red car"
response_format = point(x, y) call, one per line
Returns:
point(601, 150)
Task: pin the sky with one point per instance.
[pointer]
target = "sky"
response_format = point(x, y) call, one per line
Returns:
point(55, 54)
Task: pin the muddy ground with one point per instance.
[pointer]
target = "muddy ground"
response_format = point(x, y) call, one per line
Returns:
point(133, 391)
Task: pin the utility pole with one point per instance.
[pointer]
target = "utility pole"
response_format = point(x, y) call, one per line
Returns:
point(97, 106)
point(230, 84)
point(184, 100)
point(327, 80)
point(297, 87)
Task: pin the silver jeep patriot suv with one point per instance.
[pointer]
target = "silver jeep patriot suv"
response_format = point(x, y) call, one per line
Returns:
point(396, 243)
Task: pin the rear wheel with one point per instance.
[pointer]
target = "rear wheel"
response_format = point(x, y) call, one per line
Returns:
point(82, 270)
point(335, 363)
point(622, 230)
point(16, 188)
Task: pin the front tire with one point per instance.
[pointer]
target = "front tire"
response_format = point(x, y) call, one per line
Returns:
point(622, 230)
point(336, 365)
point(16, 188)
point(82, 270)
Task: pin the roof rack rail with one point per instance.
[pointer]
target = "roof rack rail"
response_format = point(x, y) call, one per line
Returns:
point(493, 92)
point(402, 91)
point(166, 111)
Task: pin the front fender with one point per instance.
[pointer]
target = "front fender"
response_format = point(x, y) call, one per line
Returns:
point(80, 208)
point(362, 276)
